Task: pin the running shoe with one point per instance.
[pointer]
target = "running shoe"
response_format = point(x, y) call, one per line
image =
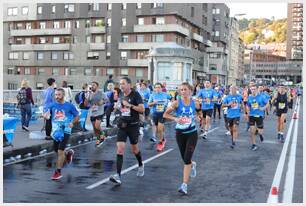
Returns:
point(228, 133)
point(233, 145)
point(69, 156)
point(193, 172)
point(159, 146)
point(56, 175)
point(282, 139)
point(254, 147)
point(153, 139)
point(115, 179)
point(164, 143)
point(100, 142)
point(140, 171)
point(205, 135)
point(183, 189)
point(278, 136)
point(261, 137)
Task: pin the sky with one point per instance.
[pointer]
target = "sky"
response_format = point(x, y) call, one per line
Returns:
point(258, 10)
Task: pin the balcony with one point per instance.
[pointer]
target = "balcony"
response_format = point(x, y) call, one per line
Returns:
point(137, 62)
point(97, 46)
point(197, 37)
point(207, 42)
point(96, 30)
point(40, 47)
point(217, 49)
point(138, 45)
point(161, 28)
point(40, 32)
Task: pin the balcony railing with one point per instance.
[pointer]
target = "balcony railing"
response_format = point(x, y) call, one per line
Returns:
point(161, 28)
point(37, 47)
point(40, 32)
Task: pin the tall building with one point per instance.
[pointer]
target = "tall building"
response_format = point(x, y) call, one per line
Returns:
point(241, 72)
point(295, 31)
point(218, 53)
point(91, 41)
point(233, 56)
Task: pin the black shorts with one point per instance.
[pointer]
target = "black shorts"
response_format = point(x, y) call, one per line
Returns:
point(207, 112)
point(232, 121)
point(279, 112)
point(158, 118)
point(93, 119)
point(62, 144)
point(244, 103)
point(225, 118)
point(147, 112)
point(257, 120)
point(131, 131)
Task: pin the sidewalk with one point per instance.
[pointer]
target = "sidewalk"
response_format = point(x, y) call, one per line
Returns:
point(23, 144)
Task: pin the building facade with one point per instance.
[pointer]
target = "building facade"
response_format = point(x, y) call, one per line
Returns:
point(295, 31)
point(233, 57)
point(218, 53)
point(241, 72)
point(92, 41)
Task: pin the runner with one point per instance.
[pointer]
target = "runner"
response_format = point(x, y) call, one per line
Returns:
point(130, 105)
point(97, 99)
point(256, 107)
point(158, 101)
point(206, 95)
point(217, 102)
point(281, 103)
point(186, 131)
point(64, 116)
point(234, 103)
point(225, 114)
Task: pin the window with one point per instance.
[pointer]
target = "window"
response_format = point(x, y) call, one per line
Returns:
point(157, 38)
point(204, 20)
point(157, 5)
point(213, 67)
point(108, 55)
point(53, 9)
point(40, 55)
point(42, 25)
point(66, 71)
point(140, 21)
point(12, 11)
point(108, 39)
point(41, 71)
point(98, 39)
point(124, 72)
point(109, 71)
point(138, 6)
point(77, 24)
point(56, 40)
point(93, 55)
point(123, 22)
point(95, 7)
point(125, 38)
point(25, 10)
point(139, 73)
point(123, 55)
point(217, 11)
point(39, 10)
point(27, 71)
point(192, 12)
point(109, 7)
point(123, 6)
point(215, 55)
point(87, 39)
point(99, 22)
point(67, 24)
point(217, 33)
point(168, 71)
point(56, 25)
point(54, 56)
point(73, 71)
point(87, 23)
point(109, 22)
point(97, 71)
point(27, 40)
point(10, 70)
point(42, 40)
point(28, 26)
point(26, 55)
point(75, 39)
point(140, 38)
point(19, 26)
point(12, 86)
point(68, 56)
point(55, 71)
point(13, 55)
point(140, 55)
point(69, 7)
point(87, 71)
point(18, 41)
point(160, 20)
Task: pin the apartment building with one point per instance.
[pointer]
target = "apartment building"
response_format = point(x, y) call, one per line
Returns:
point(233, 57)
point(81, 42)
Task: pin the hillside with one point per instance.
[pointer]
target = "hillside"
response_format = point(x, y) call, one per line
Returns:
point(263, 31)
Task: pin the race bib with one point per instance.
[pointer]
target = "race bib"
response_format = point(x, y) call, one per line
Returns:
point(206, 101)
point(126, 112)
point(185, 123)
point(160, 107)
point(215, 98)
point(255, 105)
point(235, 105)
point(281, 105)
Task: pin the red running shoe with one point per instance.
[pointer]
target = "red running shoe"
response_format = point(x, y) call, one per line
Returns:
point(56, 175)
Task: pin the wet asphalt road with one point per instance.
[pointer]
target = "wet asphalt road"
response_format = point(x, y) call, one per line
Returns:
point(223, 175)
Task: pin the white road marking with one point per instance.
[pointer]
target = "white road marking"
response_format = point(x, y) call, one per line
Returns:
point(128, 169)
point(289, 182)
point(281, 162)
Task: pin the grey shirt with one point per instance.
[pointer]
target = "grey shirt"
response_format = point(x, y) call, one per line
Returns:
point(96, 99)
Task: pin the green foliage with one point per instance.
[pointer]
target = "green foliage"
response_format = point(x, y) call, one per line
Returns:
point(251, 30)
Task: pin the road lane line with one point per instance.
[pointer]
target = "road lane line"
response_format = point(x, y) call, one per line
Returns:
point(281, 162)
point(128, 169)
point(289, 182)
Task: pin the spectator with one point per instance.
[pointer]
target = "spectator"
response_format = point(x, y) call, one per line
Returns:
point(25, 99)
point(110, 80)
point(48, 100)
point(68, 94)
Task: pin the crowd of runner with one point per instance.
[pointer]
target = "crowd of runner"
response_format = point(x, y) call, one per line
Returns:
point(191, 108)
